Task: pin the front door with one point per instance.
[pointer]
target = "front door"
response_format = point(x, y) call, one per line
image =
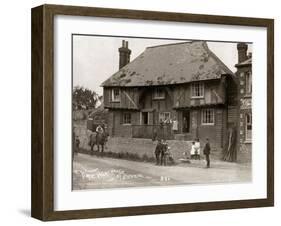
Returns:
point(186, 122)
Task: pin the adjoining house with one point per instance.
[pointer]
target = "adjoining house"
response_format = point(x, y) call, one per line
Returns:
point(244, 75)
point(184, 81)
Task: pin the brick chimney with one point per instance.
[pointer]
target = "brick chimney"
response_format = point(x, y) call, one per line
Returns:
point(124, 54)
point(242, 52)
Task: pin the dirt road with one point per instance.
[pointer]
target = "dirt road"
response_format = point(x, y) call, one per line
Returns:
point(90, 172)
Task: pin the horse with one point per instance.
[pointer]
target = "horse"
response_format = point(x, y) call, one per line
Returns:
point(98, 139)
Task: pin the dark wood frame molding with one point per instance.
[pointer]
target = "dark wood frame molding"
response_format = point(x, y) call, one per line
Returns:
point(42, 112)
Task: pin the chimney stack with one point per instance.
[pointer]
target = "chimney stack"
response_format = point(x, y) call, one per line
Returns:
point(124, 54)
point(242, 52)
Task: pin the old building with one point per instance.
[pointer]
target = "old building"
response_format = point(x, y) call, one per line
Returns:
point(244, 76)
point(185, 82)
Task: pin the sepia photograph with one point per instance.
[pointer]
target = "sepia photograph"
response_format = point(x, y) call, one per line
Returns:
point(160, 112)
point(147, 112)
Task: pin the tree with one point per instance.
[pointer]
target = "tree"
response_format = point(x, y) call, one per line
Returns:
point(83, 98)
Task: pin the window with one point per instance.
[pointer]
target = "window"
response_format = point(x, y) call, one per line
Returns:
point(145, 118)
point(158, 94)
point(248, 132)
point(248, 83)
point(208, 117)
point(116, 95)
point(164, 117)
point(127, 119)
point(197, 90)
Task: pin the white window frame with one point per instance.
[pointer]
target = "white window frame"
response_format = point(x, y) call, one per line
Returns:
point(212, 116)
point(247, 139)
point(123, 119)
point(162, 115)
point(201, 90)
point(156, 95)
point(114, 99)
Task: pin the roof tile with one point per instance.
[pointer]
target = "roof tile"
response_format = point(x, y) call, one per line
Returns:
point(170, 64)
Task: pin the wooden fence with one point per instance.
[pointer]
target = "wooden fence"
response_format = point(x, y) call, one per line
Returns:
point(152, 132)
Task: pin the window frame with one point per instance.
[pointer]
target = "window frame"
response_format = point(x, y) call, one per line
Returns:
point(201, 88)
point(247, 139)
point(164, 112)
point(113, 97)
point(123, 118)
point(203, 117)
point(248, 81)
point(156, 91)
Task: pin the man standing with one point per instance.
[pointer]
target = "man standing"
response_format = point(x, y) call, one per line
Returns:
point(164, 150)
point(158, 151)
point(207, 151)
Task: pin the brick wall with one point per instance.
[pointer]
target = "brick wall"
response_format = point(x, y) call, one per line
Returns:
point(244, 153)
point(215, 133)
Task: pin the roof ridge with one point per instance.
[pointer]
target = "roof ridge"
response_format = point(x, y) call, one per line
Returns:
point(160, 67)
point(177, 43)
point(206, 47)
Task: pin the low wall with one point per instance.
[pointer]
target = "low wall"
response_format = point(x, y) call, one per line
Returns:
point(137, 145)
point(145, 146)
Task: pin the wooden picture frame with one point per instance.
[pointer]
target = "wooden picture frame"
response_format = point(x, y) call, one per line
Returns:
point(42, 203)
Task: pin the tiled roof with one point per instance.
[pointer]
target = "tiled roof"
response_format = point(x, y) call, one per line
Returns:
point(170, 64)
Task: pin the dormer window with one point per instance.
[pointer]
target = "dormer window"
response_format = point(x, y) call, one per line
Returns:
point(158, 94)
point(197, 90)
point(116, 95)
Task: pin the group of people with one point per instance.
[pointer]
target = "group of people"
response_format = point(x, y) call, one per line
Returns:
point(158, 133)
point(173, 122)
point(162, 153)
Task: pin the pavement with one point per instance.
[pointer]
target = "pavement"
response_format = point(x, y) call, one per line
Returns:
point(92, 172)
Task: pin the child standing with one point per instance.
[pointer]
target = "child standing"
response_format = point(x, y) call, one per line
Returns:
point(192, 150)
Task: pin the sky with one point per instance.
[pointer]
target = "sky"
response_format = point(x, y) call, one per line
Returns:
point(96, 58)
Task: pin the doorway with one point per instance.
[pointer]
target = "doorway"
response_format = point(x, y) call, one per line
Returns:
point(185, 121)
point(145, 118)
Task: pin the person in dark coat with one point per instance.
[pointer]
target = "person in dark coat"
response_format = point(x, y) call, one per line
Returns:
point(164, 150)
point(206, 152)
point(158, 151)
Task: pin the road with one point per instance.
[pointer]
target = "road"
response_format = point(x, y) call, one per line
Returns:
point(91, 172)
